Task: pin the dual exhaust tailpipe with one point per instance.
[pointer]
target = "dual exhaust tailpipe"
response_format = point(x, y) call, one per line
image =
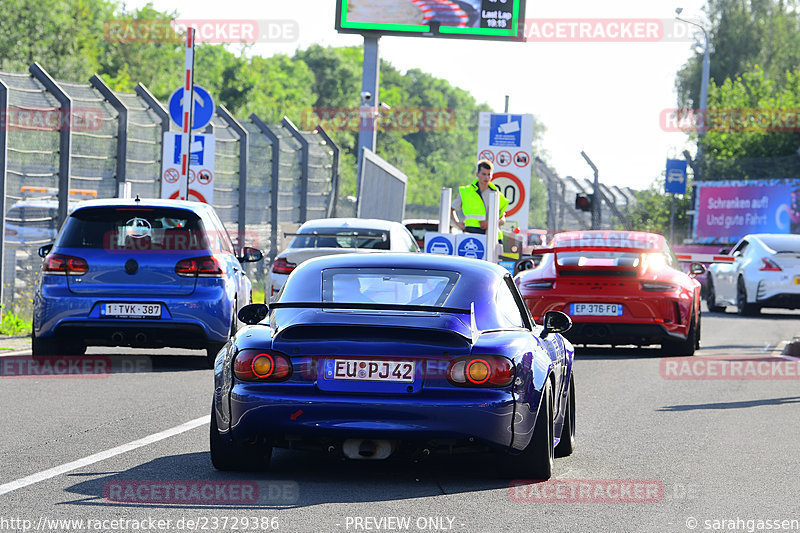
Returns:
point(118, 338)
point(599, 332)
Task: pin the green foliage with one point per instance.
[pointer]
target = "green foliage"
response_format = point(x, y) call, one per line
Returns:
point(744, 34)
point(652, 211)
point(14, 325)
point(66, 37)
point(73, 39)
point(753, 97)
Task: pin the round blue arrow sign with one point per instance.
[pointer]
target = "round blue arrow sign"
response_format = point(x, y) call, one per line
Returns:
point(201, 113)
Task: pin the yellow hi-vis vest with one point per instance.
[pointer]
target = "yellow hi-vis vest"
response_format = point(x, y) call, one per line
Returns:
point(473, 207)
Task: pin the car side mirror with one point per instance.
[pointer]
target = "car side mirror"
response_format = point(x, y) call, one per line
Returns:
point(697, 269)
point(250, 255)
point(44, 250)
point(725, 251)
point(555, 322)
point(526, 263)
point(253, 313)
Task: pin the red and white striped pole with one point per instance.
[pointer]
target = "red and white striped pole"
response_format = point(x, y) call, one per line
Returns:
point(188, 115)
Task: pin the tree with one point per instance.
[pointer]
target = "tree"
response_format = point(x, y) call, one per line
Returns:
point(652, 211)
point(65, 37)
point(744, 34)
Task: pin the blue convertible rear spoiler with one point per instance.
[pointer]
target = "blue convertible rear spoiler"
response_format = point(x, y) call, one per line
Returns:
point(474, 331)
point(369, 306)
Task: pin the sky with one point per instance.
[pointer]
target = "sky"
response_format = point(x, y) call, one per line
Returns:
point(605, 98)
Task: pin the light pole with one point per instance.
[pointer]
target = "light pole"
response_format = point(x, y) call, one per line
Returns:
point(704, 81)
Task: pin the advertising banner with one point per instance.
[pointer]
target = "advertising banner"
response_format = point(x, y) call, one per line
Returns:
point(729, 210)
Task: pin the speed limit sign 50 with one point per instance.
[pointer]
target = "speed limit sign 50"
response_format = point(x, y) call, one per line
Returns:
point(512, 188)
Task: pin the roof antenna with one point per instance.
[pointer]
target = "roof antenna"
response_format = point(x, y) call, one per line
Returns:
point(137, 200)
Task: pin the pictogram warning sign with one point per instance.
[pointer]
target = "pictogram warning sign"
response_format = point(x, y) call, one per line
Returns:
point(171, 175)
point(503, 158)
point(521, 159)
point(205, 176)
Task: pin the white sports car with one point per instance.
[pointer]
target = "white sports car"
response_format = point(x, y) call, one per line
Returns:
point(765, 273)
point(333, 236)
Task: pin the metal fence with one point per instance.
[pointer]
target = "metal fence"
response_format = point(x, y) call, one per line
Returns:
point(61, 142)
point(561, 212)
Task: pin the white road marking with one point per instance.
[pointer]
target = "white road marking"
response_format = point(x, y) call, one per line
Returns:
point(101, 456)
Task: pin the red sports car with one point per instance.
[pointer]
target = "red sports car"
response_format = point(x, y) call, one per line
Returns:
point(619, 287)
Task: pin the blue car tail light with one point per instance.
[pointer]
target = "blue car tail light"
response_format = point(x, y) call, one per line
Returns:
point(481, 371)
point(65, 265)
point(262, 365)
point(202, 267)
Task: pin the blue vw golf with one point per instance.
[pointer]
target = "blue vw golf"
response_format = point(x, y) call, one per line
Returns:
point(144, 273)
point(368, 356)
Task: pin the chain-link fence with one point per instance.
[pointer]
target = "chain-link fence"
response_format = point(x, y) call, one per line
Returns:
point(62, 142)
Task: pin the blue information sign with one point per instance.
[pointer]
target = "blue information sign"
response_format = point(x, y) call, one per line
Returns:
point(675, 181)
point(505, 130)
point(439, 245)
point(471, 247)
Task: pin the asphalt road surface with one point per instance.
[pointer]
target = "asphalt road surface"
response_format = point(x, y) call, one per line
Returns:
point(664, 445)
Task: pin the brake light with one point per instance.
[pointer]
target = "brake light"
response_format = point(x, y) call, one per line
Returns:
point(10, 232)
point(483, 371)
point(657, 286)
point(65, 265)
point(538, 285)
point(769, 265)
point(282, 266)
point(201, 267)
point(262, 365)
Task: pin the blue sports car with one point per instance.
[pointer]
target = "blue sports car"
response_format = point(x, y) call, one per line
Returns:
point(142, 273)
point(372, 356)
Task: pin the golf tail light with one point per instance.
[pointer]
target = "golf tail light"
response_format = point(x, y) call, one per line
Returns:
point(769, 265)
point(202, 267)
point(262, 365)
point(65, 265)
point(481, 371)
point(282, 266)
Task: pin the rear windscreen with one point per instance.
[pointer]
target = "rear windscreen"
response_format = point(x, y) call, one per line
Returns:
point(782, 243)
point(419, 231)
point(342, 238)
point(590, 258)
point(134, 229)
point(387, 286)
